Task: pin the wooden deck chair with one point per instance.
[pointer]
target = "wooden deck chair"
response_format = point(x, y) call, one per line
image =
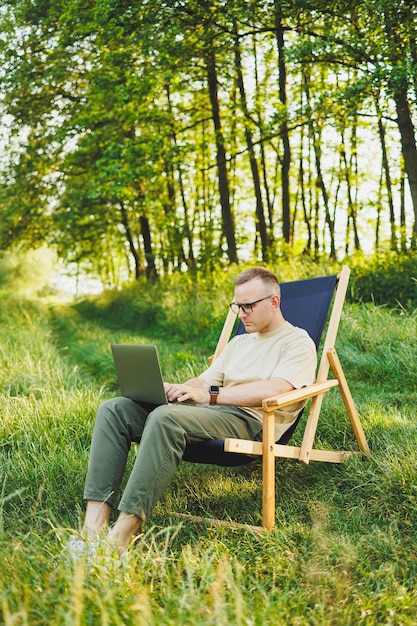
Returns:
point(304, 303)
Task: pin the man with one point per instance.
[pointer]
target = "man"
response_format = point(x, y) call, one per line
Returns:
point(272, 358)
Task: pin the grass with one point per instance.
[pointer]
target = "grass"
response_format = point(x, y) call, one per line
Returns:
point(344, 550)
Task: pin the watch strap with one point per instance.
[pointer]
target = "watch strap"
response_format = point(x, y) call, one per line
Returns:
point(214, 392)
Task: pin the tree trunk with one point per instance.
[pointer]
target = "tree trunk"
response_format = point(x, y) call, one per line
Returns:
point(227, 215)
point(286, 156)
point(351, 221)
point(263, 157)
point(307, 216)
point(403, 230)
point(147, 246)
point(319, 173)
point(409, 150)
point(139, 269)
point(386, 169)
point(260, 213)
point(169, 167)
point(399, 84)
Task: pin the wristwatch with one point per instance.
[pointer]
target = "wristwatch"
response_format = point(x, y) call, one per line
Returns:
point(214, 392)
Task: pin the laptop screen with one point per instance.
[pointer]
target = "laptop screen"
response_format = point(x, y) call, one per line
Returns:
point(139, 372)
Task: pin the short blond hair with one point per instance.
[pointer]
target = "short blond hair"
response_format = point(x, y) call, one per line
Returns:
point(265, 275)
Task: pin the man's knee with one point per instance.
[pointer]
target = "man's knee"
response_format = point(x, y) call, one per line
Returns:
point(113, 405)
point(165, 417)
point(121, 415)
point(117, 411)
point(164, 427)
point(109, 409)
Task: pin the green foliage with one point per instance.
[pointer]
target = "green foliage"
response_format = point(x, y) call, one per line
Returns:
point(391, 340)
point(39, 392)
point(192, 304)
point(111, 130)
point(343, 551)
point(385, 279)
point(179, 305)
point(164, 308)
point(27, 272)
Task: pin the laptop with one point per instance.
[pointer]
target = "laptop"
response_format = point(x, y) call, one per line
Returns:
point(139, 372)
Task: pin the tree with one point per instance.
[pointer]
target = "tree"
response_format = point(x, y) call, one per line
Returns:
point(165, 136)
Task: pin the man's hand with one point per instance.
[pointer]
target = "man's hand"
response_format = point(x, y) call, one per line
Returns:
point(187, 392)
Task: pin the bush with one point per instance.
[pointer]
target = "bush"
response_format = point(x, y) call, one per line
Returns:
point(165, 307)
point(385, 279)
point(29, 273)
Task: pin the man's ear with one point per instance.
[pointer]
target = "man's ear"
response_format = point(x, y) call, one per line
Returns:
point(276, 301)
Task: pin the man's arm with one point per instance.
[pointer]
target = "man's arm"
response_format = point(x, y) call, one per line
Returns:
point(253, 393)
point(245, 394)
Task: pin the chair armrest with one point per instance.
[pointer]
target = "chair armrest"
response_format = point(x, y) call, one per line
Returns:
point(296, 395)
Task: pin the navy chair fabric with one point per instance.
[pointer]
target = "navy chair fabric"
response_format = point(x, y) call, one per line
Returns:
point(304, 303)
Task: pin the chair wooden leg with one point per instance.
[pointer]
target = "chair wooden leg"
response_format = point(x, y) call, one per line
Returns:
point(268, 472)
point(310, 429)
point(348, 401)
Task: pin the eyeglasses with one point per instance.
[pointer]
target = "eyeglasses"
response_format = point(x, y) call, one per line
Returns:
point(247, 307)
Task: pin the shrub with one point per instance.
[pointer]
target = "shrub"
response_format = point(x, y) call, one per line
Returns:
point(385, 279)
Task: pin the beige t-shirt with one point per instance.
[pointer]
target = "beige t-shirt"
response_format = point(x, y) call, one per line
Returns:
point(288, 353)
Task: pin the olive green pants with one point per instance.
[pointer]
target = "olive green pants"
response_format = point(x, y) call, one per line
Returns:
point(163, 433)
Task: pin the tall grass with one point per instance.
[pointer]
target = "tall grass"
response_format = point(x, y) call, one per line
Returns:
point(344, 550)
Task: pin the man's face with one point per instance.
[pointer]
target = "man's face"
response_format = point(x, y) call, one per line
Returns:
point(262, 316)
